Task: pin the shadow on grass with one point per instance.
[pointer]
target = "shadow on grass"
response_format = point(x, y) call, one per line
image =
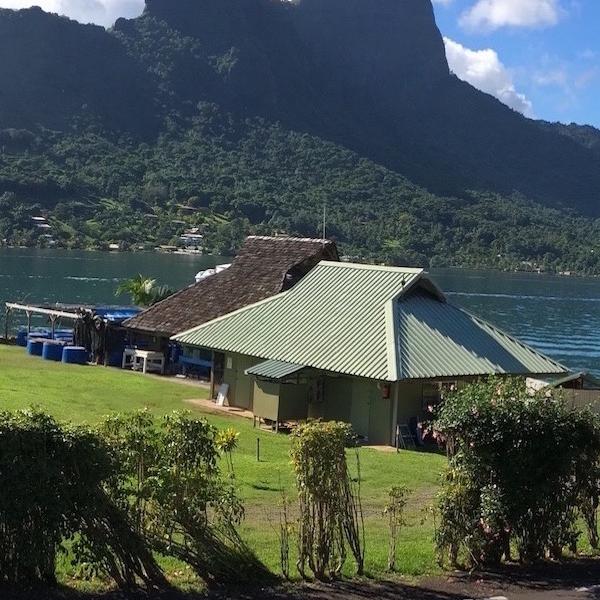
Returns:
point(336, 591)
point(540, 579)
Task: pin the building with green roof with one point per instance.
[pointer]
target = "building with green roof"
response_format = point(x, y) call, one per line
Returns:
point(366, 344)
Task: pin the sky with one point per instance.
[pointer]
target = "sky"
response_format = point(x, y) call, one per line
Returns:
point(540, 57)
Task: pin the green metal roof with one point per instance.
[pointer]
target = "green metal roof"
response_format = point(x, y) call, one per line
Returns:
point(274, 369)
point(365, 320)
point(437, 339)
point(335, 319)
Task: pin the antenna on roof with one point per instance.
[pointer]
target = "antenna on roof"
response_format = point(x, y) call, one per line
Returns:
point(324, 221)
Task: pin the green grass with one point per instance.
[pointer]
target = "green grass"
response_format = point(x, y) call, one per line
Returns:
point(86, 394)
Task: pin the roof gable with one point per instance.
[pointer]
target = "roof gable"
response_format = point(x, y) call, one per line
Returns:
point(437, 339)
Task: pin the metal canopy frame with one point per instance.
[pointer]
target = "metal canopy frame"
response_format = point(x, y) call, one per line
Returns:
point(29, 310)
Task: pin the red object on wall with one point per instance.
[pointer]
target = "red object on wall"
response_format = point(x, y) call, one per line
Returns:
point(385, 391)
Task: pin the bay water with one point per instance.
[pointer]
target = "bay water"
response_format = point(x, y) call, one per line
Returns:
point(559, 316)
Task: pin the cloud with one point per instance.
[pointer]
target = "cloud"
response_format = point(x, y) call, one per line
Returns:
point(484, 70)
point(101, 12)
point(443, 2)
point(489, 15)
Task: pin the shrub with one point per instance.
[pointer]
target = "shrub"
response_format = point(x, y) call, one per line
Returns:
point(394, 511)
point(330, 511)
point(523, 467)
point(52, 482)
point(172, 485)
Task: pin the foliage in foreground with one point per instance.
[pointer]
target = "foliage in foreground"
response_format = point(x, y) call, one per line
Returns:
point(522, 469)
point(53, 483)
point(171, 486)
point(331, 520)
point(119, 495)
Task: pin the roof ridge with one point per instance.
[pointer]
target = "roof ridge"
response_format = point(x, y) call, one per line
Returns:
point(368, 267)
point(289, 238)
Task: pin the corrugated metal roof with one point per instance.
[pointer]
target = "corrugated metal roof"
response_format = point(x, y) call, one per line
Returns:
point(436, 339)
point(335, 319)
point(274, 369)
point(377, 322)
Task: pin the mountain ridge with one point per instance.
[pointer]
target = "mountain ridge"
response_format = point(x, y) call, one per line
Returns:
point(365, 76)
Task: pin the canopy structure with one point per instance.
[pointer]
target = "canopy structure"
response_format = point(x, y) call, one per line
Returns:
point(274, 369)
point(383, 323)
point(69, 312)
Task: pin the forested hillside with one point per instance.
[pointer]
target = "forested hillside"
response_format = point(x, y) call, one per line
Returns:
point(251, 115)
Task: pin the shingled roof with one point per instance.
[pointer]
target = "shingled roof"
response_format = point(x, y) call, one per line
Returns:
point(265, 266)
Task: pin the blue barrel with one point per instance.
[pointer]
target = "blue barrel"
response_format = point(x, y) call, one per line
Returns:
point(75, 355)
point(39, 335)
point(52, 351)
point(22, 338)
point(35, 347)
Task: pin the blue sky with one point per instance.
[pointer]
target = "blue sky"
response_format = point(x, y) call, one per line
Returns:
point(542, 57)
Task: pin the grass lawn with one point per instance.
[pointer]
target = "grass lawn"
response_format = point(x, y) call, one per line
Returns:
point(86, 394)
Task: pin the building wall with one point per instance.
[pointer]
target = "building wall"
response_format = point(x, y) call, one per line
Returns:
point(266, 400)
point(359, 402)
point(241, 386)
point(293, 401)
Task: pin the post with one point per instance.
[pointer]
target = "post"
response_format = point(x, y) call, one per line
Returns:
point(395, 401)
point(6, 323)
point(28, 322)
point(257, 449)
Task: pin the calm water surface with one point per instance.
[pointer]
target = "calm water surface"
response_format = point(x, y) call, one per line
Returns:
point(559, 316)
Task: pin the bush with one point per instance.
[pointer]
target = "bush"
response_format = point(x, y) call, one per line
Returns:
point(53, 482)
point(330, 510)
point(172, 486)
point(523, 467)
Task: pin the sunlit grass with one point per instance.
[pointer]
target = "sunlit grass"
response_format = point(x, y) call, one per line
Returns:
point(87, 394)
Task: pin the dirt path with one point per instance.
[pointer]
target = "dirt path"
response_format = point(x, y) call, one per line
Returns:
point(575, 580)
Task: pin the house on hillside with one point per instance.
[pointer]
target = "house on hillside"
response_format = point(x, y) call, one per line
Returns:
point(369, 345)
point(264, 266)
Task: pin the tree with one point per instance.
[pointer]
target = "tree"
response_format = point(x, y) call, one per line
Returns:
point(143, 290)
point(522, 469)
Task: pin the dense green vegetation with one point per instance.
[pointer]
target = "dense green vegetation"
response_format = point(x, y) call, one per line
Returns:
point(504, 493)
point(257, 128)
point(231, 178)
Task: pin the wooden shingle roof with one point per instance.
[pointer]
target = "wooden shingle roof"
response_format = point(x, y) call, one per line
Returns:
point(265, 266)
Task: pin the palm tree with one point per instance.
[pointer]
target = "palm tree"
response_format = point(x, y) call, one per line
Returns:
point(143, 291)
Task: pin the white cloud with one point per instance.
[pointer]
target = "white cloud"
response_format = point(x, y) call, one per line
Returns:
point(443, 2)
point(102, 12)
point(489, 15)
point(484, 70)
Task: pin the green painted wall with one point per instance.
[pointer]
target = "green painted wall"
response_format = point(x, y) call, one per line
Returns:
point(338, 399)
point(293, 401)
point(266, 400)
point(241, 386)
point(360, 411)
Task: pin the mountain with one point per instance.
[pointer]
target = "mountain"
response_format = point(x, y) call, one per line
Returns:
point(132, 119)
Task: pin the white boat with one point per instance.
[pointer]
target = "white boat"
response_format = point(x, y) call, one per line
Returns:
point(209, 272)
